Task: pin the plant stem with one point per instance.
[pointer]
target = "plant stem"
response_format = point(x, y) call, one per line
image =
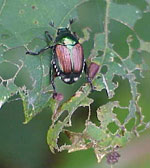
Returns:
point(106, 22)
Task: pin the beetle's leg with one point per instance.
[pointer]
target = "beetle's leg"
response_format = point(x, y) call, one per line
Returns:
point(52, 77)
point(51, 23)
point(48, 36)
point(87, 75)
point(53, 85)
point(71, 21)
point(39, 52)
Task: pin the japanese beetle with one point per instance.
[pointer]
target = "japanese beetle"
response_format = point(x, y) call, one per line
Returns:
point(68, 57)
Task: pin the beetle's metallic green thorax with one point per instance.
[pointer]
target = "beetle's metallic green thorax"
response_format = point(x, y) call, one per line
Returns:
point(65, 37)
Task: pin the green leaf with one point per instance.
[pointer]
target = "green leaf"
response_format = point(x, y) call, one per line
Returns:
point(114, 36)
point(7, 92)
point(105, 113)
point(53, 135)
point(125, 13)
point(95, 133)
point(79, 99)
point(33, 19)
point(31, 73)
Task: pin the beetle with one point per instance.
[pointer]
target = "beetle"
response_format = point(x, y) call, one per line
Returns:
point(68, 56)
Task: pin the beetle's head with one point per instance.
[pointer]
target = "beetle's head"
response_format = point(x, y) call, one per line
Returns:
point(63, 30)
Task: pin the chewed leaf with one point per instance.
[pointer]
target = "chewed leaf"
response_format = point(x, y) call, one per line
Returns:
point(33, 103)
point(55, 129)
point(99, 44)
point(79, 99)
point(33, 70)
point(95, 133)
point(77, 142)
point(105, 113)
point(145, 45)
point(53, 135)
point(7, 92)
point(116, 43)
point(113, 68)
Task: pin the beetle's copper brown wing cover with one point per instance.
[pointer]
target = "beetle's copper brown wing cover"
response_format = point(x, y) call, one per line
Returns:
point(70, 62)
point(78, 58)
point(63, 55)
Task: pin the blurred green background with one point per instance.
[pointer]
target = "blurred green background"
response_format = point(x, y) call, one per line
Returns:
point(25, 146)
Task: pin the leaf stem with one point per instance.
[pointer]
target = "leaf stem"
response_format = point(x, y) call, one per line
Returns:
point(106, 22)
point(3, 5)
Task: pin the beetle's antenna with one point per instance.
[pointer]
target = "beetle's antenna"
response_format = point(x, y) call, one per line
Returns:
point(52, 25)
point(71, 21)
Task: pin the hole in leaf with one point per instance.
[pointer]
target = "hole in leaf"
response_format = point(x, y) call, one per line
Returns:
point(137, 73)
point(5, 83)
point(112, 127)
point(141, 128)
point(63, 139)
point(96, 17)
point(7, 70)
point(15, 55)
point(138, 117)
point(15, 97)
point(143, 89)
point(78, 119)
point(122, 93)
point(23, 78)
point(100, 98)
point(121, 114)
point(118, 35)
point(104, 69)
point(100, 53)
point(130, 124)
